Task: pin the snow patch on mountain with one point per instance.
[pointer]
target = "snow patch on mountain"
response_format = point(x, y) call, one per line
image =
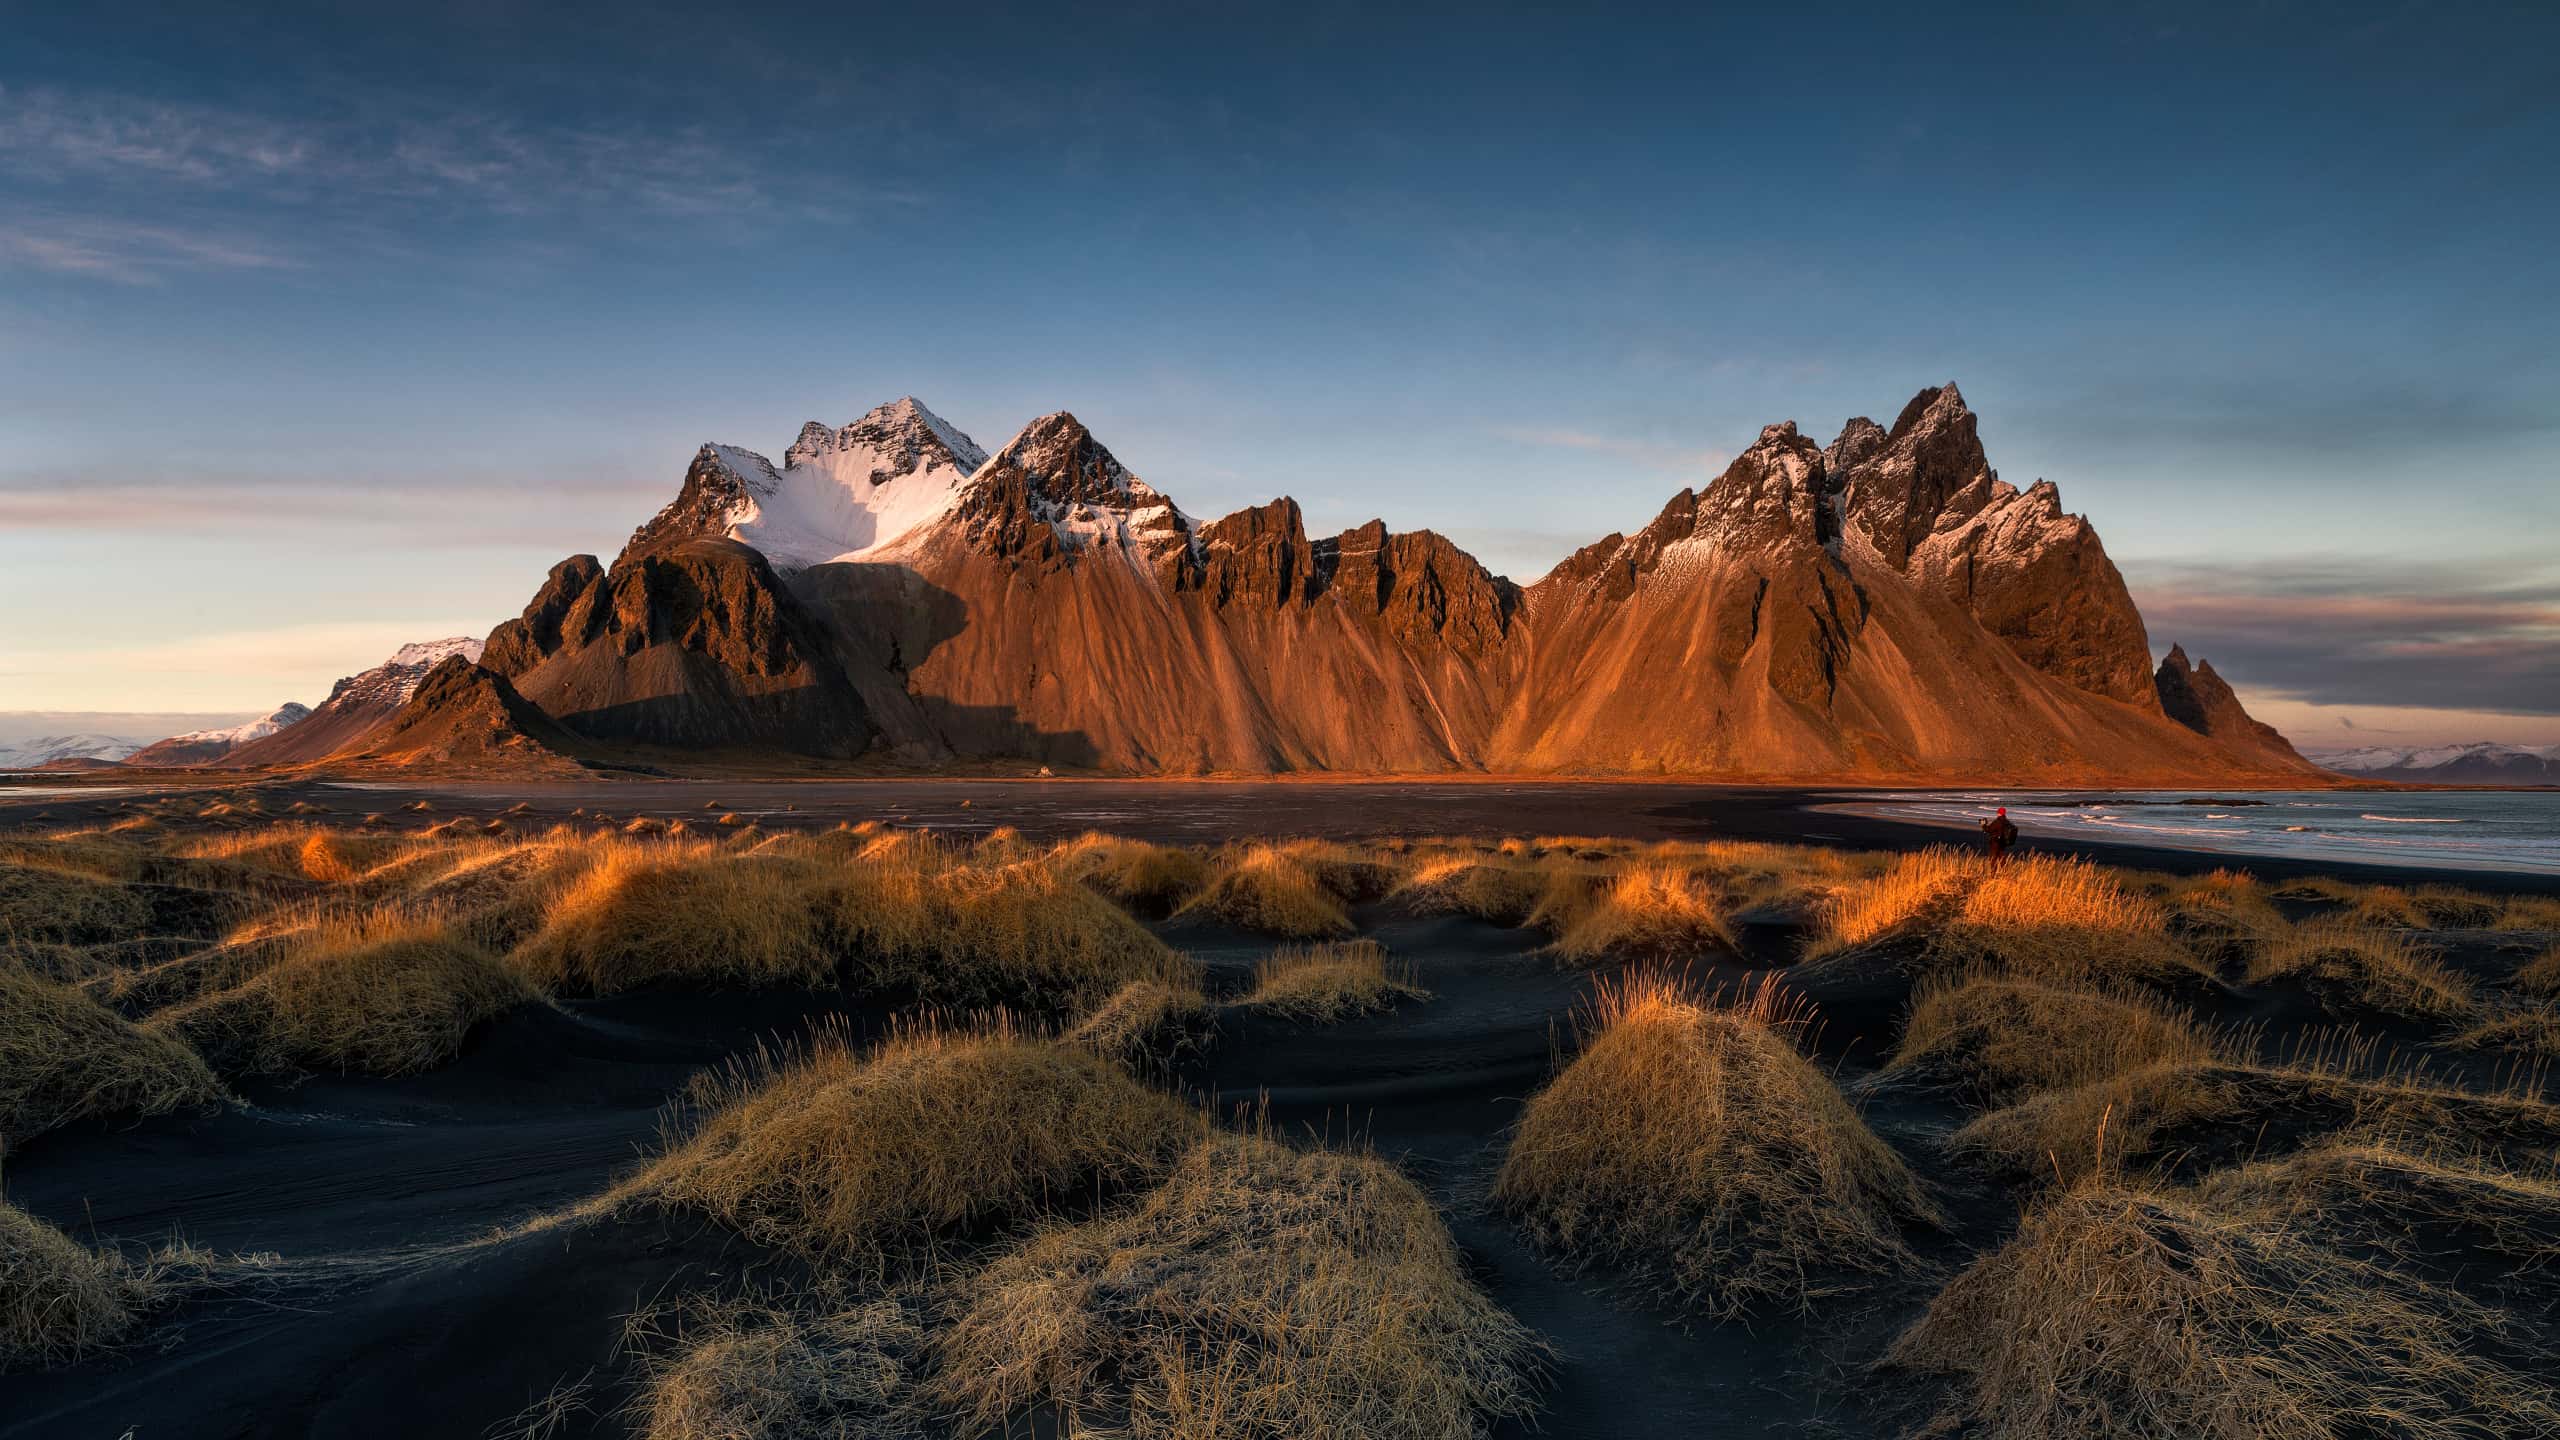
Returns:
point(854, 494)
point(40, 750)
point(288, 713)
point(2445, 761)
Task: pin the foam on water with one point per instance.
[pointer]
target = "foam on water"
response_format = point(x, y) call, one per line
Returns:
point(2515, 830)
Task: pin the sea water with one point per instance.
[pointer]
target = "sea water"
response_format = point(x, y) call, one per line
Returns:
point(2450, 829)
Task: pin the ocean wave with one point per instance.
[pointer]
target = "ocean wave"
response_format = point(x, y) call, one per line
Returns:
point(2409, 820)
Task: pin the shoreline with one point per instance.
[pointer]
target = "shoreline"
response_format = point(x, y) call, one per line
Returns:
point(1202, 811)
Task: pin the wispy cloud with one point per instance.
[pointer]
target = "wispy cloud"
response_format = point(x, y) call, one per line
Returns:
point(112, 186)
point(1700, 463)
point(443, 508)
point(123, 251)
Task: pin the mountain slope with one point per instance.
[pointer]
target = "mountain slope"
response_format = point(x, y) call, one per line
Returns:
point(1882, 607)
point(203, 747)
point(357, 706)
point(2196, 697)
point(463, 717)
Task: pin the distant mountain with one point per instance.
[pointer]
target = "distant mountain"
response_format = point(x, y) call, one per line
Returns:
point(203, 747)
point(460, 716)
point(39, 751)
point(2478, 763)
point(357, 706)
point(1885, 607)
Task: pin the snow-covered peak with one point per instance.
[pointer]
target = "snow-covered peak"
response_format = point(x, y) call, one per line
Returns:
point(283, 715)
point(851, 494)
point(431, 653)
point(2369, 759)
point(40, 750)
point(1085, 494)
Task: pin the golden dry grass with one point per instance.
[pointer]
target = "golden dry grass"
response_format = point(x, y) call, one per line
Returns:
point(2131, 1312)
point(2541, 975)
point(862, 1154)
point(1504, 892)
point(1647, 911)
point(1266, 889)
point(2529, 912)
point(385, 996)
point(2058, 918)
point(2530, 1031)
point(768, 1370)
point(1994, 1040)
point(1259, 1291)
point(2398, 1197)
point(1331, 981)
point(1916, 889)
point(1693, 1144)
point(2353, 967)
point(2204, 1113)
point(652, 915)
point(67, 907)
point(1145, 1023)
point(1151, 880)
point(60, 1300)
point(65, 1057)
point(919, 918)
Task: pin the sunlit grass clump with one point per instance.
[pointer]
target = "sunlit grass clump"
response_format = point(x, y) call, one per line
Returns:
point(1914, 890)
point(2124, 1311)
point(648, 915)
point(1330, 981)
point(65, 1057)
point(863, 1154)
point(1646, 911)
point(1259, 1290)
point(2038, 915)
point(1267, 889)
point(1695, 1145)
point(1150, 880)
point(382, 996)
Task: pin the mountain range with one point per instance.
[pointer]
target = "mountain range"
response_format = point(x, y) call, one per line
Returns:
point(1883, 606)
point(2477, 763)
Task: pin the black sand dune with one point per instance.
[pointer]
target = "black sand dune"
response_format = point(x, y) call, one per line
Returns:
point(431, 1277)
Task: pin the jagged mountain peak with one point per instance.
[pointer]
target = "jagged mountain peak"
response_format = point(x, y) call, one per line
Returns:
point(900, 438)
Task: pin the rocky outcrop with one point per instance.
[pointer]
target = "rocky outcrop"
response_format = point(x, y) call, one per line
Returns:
point(463, 717)
point(686, 642)
point(2196, 697)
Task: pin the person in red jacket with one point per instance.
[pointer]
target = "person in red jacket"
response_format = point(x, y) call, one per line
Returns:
point(1998, 833)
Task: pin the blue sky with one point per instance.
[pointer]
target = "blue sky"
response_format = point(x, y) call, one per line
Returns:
point(320, 332)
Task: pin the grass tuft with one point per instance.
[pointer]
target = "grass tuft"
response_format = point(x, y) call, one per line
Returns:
point(1654, 911)
point(2356, 967)
point(1331, 981)
point(1260, 1290)
point(65, 1057)
point(2124, 1311)
point(1695, 1145)
point(1995, 1040)
point(1266, 889)
point(759, 1370)
point(384, 996)
point(933, 1134)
